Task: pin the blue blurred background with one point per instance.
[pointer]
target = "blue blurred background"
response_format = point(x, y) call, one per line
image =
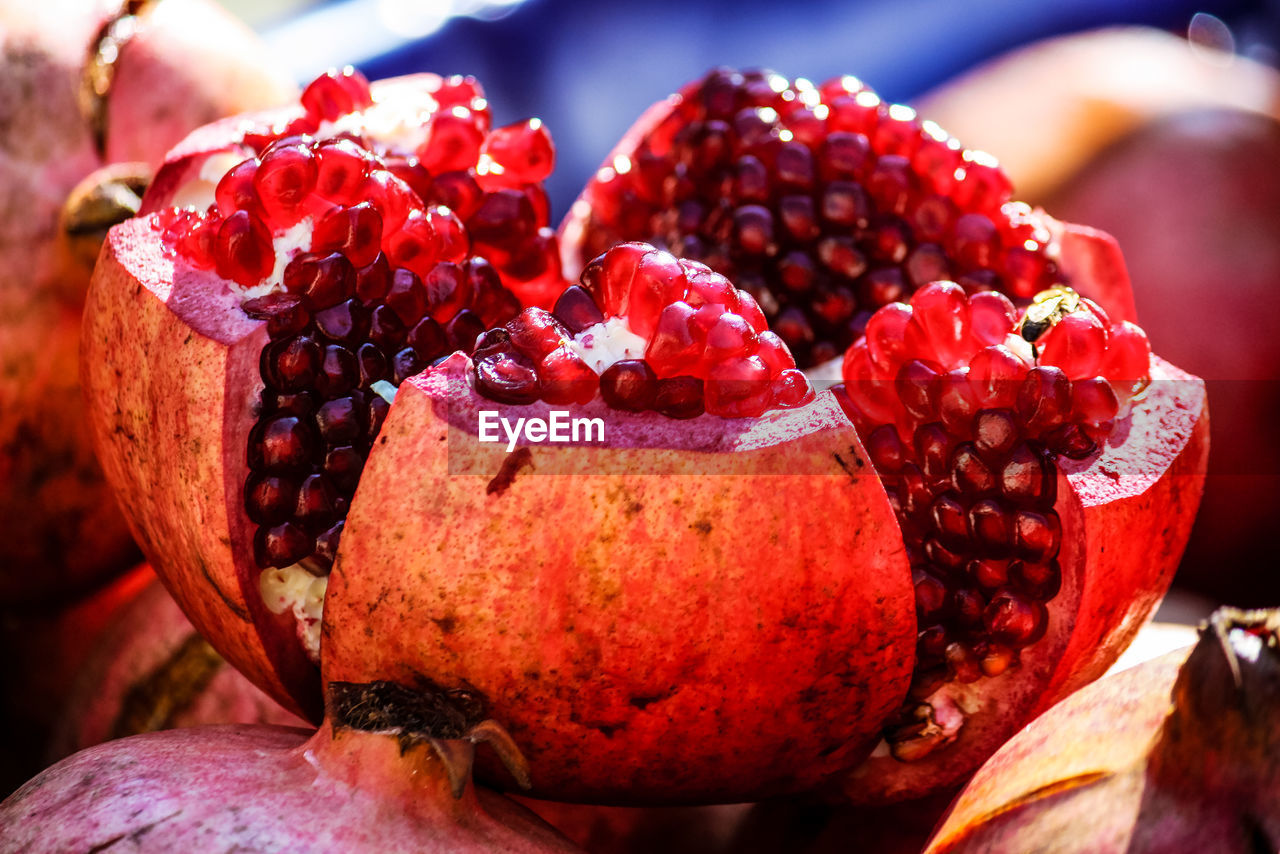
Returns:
point(590, 68)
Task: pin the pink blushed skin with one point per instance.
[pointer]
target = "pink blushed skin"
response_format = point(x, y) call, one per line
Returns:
point(672, 616)
point(264, 788)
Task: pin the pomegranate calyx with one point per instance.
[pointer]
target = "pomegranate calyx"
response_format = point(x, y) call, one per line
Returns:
point(1225, 698)
point(450, 722)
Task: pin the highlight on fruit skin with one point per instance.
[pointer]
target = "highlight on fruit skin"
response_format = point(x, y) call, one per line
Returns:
point(1181, 753)
point(85, 85)
point(331, 311)
point(388, 770)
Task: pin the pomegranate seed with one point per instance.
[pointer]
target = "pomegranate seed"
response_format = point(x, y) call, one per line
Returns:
point(236, 190)
point(284, 179)
point(269, 499)
point(322, 280)
point(679, 397)
point(629, 385)
point(242, 250)
point(565, 378)
point(454, 141)
point(505, 379)
point(341, 169)
point(524, 151)
point(335, 93)
point(355, 231)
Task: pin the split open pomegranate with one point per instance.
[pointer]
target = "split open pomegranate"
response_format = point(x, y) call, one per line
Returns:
point(358, 421)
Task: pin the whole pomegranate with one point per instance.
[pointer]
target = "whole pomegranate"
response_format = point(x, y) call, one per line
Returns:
point(705, 592)
point(1194, 143)
point(388, 771)
point(84, 83)
point(150, 670)
point(1177, 754)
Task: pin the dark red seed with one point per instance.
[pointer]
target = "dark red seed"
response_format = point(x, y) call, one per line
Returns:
point(932, 598)
point(281, 545)
point(406, 363)
point(992, 530)
point(339, 420)
point(327, 545)
point(323, 280)
point(950, 522)
point(301, 403)
point(1041, 580)
point(291, 365)
point(448, 290)
point(345, 322)
point(463, 331)
point(1029, 477)
point(354, 231)
point(503, 378)
point(577, 309)
point(1044, 400)
point(1012, 618)
point(885, 449)
point(989, 573)
point(679, 397)
point(427, 339)
point(1036, 536)
point(407, 297)
point(339, 372)
point(378, 409)
point(269, 499)
point(342, 465)
point(970, 475)
point(629, 385)
point(373, 363)
point(283, 445)
point(316, 497)
point(995, 432)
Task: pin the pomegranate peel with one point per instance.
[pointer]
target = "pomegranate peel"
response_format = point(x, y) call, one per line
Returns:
point(1177, 753)
point(583, 672)
point(388, 770)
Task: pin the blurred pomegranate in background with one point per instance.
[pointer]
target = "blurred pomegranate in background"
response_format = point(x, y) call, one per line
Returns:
point(85, 83)
point(119, 662)
point(1105, 126)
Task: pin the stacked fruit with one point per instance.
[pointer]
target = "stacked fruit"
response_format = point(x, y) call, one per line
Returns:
point(743, 586)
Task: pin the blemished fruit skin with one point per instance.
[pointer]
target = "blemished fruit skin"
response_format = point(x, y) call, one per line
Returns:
point(1178, 753)
point(271, 788)
point(690, 611)
point(180, 64)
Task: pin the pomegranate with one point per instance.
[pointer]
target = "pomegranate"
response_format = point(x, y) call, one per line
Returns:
point(150, 670)
point(822, 202)
point(84, 83)
point(639, 830)
point(388, 771)
point(1194, 144)
point(246, 420)
point(823, 197)
point(1176, 754)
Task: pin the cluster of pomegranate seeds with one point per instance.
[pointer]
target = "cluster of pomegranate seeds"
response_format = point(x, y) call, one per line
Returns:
point(341, 152)
point(824, 203)
point(647, 332)
point(965, 408)
point(368, 263)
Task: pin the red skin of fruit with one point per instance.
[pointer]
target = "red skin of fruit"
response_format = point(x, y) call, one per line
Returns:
point(789, 639)
point(188, 64)
point(637, 830)
point(258, 788)
point(1174, 754)
point(150, 670)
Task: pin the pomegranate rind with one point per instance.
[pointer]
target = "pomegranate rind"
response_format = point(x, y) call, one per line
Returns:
point(170, 373)
point(682, 619)
point(1126, 514)
point(994, 708)
point(1080, 765)
point(264, 788)
point(1140, 497)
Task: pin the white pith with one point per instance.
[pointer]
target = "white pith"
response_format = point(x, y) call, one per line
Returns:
point(294, 589)
point(287, 245)
point(402, 125)
point(603, 344)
